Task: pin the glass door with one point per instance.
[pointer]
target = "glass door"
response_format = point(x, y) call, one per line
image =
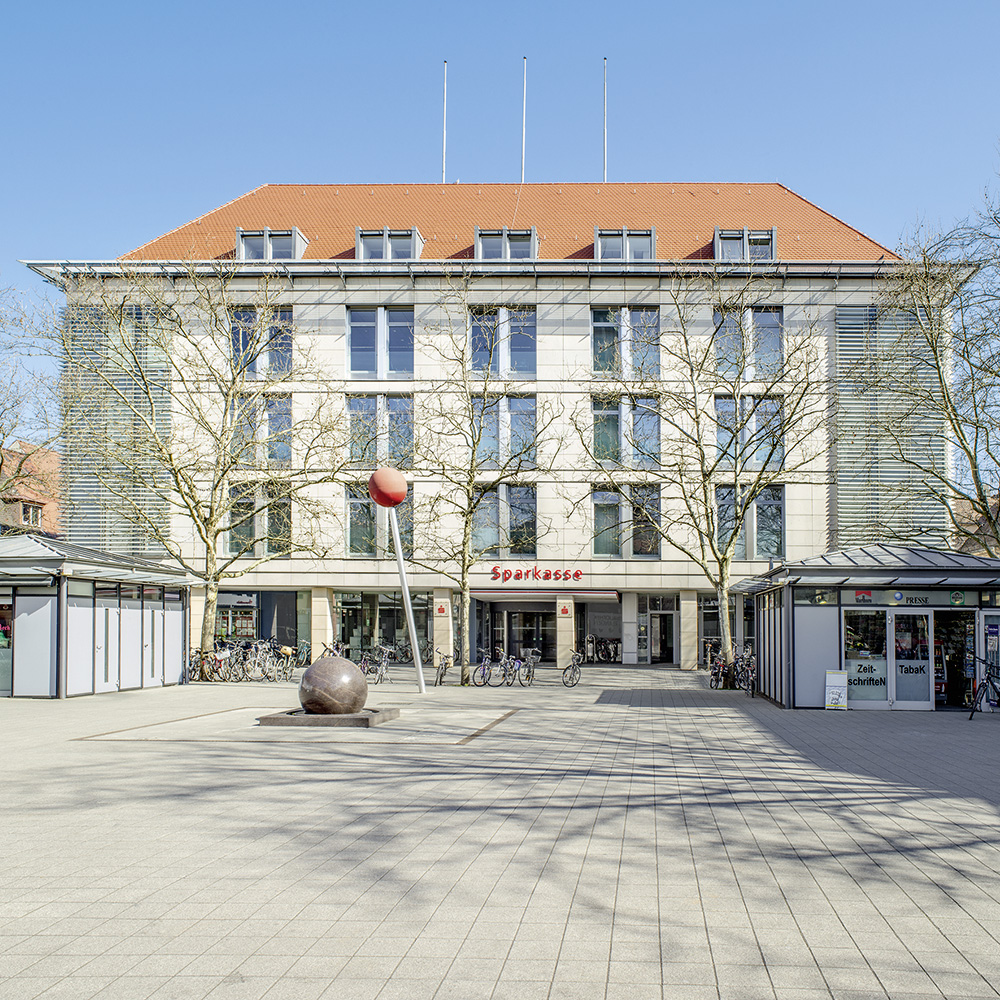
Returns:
point(6, 646)
point(865, 659)
point(912, 677)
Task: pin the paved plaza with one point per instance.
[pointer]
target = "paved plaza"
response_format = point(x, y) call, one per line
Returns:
point(639, 836)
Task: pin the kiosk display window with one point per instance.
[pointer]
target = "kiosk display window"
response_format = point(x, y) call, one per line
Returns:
point(865, 656)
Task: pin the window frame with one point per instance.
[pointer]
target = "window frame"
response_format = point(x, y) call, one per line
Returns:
point(387, 237)
point(502, 527)
point(510, 321)
point(629, 242)
point(748, 548)
point(249, 346)
point(744, 241)
point(499, 411)
point(383, 326)
point(31, 514)
point(626, 411)
point(733, 329)
point(506, 235)
point(629, 328)
point(267, 236)
point(379, 448)
point(357, 499)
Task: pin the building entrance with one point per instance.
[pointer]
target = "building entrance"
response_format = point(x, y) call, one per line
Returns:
point(661, 637)
point(954, 658)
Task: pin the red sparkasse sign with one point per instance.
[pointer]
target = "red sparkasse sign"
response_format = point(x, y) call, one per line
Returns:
point(534, 573)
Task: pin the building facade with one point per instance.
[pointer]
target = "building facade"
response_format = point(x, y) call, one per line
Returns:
point(590, 387)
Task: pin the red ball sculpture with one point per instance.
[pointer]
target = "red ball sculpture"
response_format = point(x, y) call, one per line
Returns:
point(387, 487)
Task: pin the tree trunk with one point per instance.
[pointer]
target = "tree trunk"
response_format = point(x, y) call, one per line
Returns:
point(725, 634)
point(211, 606)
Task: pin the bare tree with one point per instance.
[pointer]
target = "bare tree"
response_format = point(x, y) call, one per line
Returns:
point(196, 419)
point(699, 416)
point(486, 439)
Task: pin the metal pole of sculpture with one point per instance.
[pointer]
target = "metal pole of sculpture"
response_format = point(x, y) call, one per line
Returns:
point(388, 488)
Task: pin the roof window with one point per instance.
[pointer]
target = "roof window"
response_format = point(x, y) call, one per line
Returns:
point(506, 244)
point(387, 244)
point(624, 244)
point(270, 244)
point(745, 244)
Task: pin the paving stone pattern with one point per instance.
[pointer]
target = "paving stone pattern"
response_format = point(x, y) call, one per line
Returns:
point(639, 836)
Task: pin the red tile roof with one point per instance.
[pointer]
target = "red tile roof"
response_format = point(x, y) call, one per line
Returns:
point(564, 215)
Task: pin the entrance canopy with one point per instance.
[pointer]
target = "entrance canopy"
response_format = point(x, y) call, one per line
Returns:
point(880, 566)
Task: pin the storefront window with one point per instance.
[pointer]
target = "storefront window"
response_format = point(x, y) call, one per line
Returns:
point(6, 644)
point(814, 595)
point(364, 621)
point(865, 655)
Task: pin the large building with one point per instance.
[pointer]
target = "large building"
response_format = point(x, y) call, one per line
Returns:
point(611, 374)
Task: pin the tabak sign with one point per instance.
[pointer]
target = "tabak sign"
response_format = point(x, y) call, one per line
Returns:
point(533, 573)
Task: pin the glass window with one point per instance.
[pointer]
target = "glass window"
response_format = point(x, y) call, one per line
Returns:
point(640, 246)
point(400, 340)
point(486, 342)
point(486, 431)
point(610, 246)
point(486, 524)
point(769, 509)
point(767, 341)
point(360, 521)
point(404, 518)
point(522, 342)
point(607, 356)
point(400, 421)
point(645, 434)
point(725, 501)
point(731, 246)
point(362, 413)
point(491, 246)
point(400, 246)
point(242, 530)
point(279, 342)
point(607, 523)
point(729, 352)
point(279, 431)
point(254, 248)
point(644, 327)
point(761, 246)
point(519, 245)
point(521, 505)
point(607, 430)
point(31, 515)
point(371, 246)
point(364, 341)
point(281, 247)
point(726, 428)
point(768, 430)
point(279, 520)
point(522, 430)
point(243, 446)
point(645, 520)
point(244, 338)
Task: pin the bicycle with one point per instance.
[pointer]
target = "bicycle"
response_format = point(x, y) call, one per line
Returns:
point(445, 661)
point(508, 667)
point(484, 669)
point(571, 674)
point(745, 667)
point(988, 689)
point(526, 675)
point(379, 670)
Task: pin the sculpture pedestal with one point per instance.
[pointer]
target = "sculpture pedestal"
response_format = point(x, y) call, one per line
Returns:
point(297, 717)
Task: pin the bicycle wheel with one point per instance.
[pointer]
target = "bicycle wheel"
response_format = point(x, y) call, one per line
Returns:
point(513, 672)
point(571, 675)
point(480, 674)
point(497, 675)
point(526, 674)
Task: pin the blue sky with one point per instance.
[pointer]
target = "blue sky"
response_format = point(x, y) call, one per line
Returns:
point(124, 120)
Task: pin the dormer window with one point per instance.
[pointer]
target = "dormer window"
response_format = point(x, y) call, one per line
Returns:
point(506, 244)
point(624, 244)
point(270, 244)
point(387, 244)
point(745, 244)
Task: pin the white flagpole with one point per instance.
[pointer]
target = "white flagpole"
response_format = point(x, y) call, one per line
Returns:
point(444, 123)
point(524, 114)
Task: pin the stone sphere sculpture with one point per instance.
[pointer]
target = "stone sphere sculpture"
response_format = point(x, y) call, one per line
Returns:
point(333, 686)
point(387, 487)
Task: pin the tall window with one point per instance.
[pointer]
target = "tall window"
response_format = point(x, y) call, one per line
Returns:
point(381, 343)
point(626, 342)
point(360, 521)
point(242, 526)
point(504, 431)
point(253, 339)
point(243, 442)
point(725, 502)
point(279, 431)
point(505, 522)
point(31, 515)
point(748, 343)
point(279, 520)
point(381, 431)
point(626, 434)
point(502, 341)
point(607, 522)
point(645, 501)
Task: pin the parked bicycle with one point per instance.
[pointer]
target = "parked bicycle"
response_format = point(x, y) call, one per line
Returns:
point(481, 675)
point(526, 675)
point(504, 669)
point(571, 673)
point(445, 660)
point(989, 688)
point(377, 670)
